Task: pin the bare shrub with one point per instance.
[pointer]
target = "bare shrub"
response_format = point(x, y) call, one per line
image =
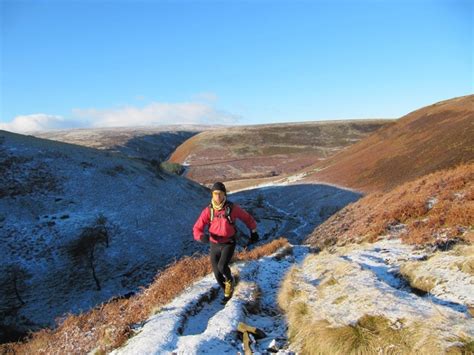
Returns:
point(83, 249)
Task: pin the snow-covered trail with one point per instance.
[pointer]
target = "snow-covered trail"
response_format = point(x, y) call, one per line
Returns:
point(196, 322)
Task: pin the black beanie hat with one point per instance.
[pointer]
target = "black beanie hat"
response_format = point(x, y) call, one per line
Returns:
point(218, 186)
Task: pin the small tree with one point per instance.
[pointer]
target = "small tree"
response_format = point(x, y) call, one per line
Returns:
point(13, 282)
point(84, 247)
point(101, 222)
point(173, 168)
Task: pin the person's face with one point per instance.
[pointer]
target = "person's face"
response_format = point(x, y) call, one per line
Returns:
point(218, 196)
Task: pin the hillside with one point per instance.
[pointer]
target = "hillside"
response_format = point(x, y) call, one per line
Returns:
point(368, 295)
point(390, 272)
point(431, 138)
point(154, 142)
point(79, 226)
point(436, 209)
point(378, 286)
point(267, 150)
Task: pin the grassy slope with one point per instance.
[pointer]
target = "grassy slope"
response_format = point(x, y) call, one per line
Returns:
point(266, 150)
point(434, 137)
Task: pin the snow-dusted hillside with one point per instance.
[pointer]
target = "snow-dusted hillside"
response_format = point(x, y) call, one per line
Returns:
point(49, 191)
point(148, 142)
point(415, 298)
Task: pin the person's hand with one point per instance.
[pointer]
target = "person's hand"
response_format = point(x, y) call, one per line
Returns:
point(253, 237)
point(204, 238)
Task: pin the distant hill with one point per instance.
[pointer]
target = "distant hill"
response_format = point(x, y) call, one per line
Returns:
point(79, 226)
point(154, 142)
point(260, 151)
point(435, 137)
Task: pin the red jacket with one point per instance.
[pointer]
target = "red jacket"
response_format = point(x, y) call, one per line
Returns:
point(220, 225)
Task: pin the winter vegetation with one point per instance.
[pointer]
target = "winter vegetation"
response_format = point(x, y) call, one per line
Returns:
point(173, 168)
point(196, 322)
point(410, 290)
point(443, 272)
point(436, 209)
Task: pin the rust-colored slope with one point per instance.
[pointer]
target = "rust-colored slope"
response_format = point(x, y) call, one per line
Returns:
point(434, 137)
point(185, 149)
point(429, 210)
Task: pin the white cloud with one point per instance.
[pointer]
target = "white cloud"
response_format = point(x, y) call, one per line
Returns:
point(39, 122)
point(156, 114)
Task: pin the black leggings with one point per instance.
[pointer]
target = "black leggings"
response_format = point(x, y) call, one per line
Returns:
point(221, 255)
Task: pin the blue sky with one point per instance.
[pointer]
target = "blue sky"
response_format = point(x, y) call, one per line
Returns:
point(113, 63)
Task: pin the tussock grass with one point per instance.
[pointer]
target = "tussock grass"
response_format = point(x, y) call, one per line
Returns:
point(369, 335)
point(418, 281)
point(429, 210)
point(328, 281)
point(467, 265)
point(463, 250)
point(262, 250)
point(288, 291)
point(340, 299)
point(463, 345)
point(109, 325)
point(420, 273)
point(298, 312)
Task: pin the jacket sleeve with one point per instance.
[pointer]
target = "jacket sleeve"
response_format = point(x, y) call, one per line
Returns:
point(203, 220)
point(244, 216)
